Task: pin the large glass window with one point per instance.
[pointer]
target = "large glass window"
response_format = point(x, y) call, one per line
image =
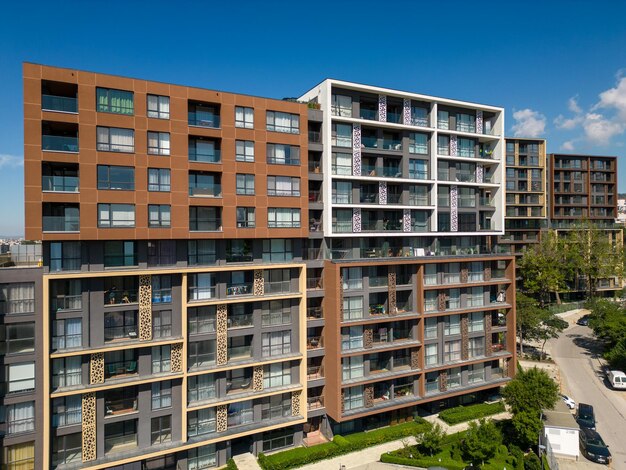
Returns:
point(201, 387)
point(342, 163)
point(158, 107)
point(283, 217)
point(114, 139)
point(245, 184)
point(282, 154)
point(161, 394)
point(67, 449)
point(116, 215)
point(19, 337)
point(352, 367)
point(432, 355)
point(277, 439)
point(161, 359)
point(418, 169)
point(120, 436)
point(430, 328)
point(452, 351)
point(351, 338)
point(342, 192)
point(466, 148)
point(353, 308)
point(341, 105)
point(120, 325)
point(476, 373)
point(353, 398)
point(202, 286)
point(20, 456)
point(276, 407)
point(67, 372)
point(120, 253)
point(67, 333)
point(159, 216)
point(418, 143)
point(341, 135)
point(161, 324)
point(276, 312)
point(201, 422)
point(465, 122)
point(20, 417)
point(452, 325)
point(201, 458)
point(283, 186)
point(64, 256)
point(116, 177)
point(17, 297)
point(114, 101)
point(277, 250)
point(476, 321)
point(283, 122)
point(244, 150)
point(161, 253)
point(159, 179)
point(158, 143)
point(476, 347)
point(277, 375)
point(244, 117)
point(21, 377)
point(66, 410)
point(201, 252)
point(161, 429)
point(276, 343)
point(201, 353)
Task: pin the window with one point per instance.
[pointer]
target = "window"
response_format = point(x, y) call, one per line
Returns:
point(201, 458)
point(201, 252)
point(114, 101)
point(19, 338)
point(159, 215)
point(120, 363)
point(430, 328)
point(244, 117)
point(432, 355)
point(67, 333)
point(443, 144)
point(161, 358)
point(66, 410)
point(452, 351)
point(353, 398)
point(418, 143)
point(116, 215)
point(276, 312)
point(245, 184)
point(202, 286)
point(341, 105)
point(158, 143)
point(277, 250)
point(240, 413)
point(465, 122)
point(283, 218)
point(283, 186)
point(158, 107)
point(21, 377)
point(246, 217)
point(67, 372)
point(161, 253)
point(64, 256)
point(120, 253)
point(466, 148)
point(20, 456)
point(120, 325)
point(277, 375)
point(342, 192)
point(282, 154)
point(341, 135)
point(114, 139)
point(244, 151)
point(418, 169)
point(17, 297)
point(67, 449)
point(351, 338)
point(202, 354)
point(353, 308)
point(116, 177)
point(159, 179)
point(476, 373)
point(20, 417)
point(161, 429)
point(342, 163)
point(120, 436)
point(476, 347)
point(161, 323)
point(452, 325)
point(352, 367)
point(277, 439)
point(200, 387)
point(238, 251)
point(283, 122)
point(476, 321)
point(443, 120)
point(276, 407)
point(276, 343)
point(201, 422)
point(161, 288)
point(353, 278)
point(454, 377)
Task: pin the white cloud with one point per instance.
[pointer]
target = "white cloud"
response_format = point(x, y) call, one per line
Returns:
point(10, 161)
point(528, 123)
point(614, 98)
point(568, 124)
point(567, 145)
point(573, 106)
point(600, 130)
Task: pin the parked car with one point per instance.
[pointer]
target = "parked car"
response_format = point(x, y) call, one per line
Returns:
point(584, 320)
point(617, 379)
point(571, 404)
point(593, 447)
point(585, 416)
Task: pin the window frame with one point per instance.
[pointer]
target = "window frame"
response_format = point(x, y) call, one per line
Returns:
point(247, 112)
point(157, 113)
point(109, 209)
point(160, 148)
point(163, 216)
point(111, 184)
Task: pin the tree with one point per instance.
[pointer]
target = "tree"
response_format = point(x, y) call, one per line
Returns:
point(481, 441)
point(531, 390)
point(608, 321)
point(542, 268)
point(593, 255)
point(528, 426)
point(429, 441)
point(532, 462)
point(528, 318)
point(550, 327)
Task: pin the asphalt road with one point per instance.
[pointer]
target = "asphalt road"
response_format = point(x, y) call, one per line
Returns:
point(576, 352)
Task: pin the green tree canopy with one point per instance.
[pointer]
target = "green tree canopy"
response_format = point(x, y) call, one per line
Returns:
point(531, 390)
point(527, 425)
point(481, 441)
point(430, 440)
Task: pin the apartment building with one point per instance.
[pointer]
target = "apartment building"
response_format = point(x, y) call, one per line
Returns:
point(406, 199)
point(173, 288)
point(526, 193)
point(193, 304)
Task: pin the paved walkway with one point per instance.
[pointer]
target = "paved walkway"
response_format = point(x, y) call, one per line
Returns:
point(365, 458)
point(246, 462)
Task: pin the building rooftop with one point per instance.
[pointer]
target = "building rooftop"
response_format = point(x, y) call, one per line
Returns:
point(559, 417)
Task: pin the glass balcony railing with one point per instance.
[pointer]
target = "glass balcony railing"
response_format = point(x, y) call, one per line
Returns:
point(162, 296)
point(415, 200)
point(277, 287)
point(240, 321)
point(239, 289)
point(202, 293)
point(120, 406)
point(369, 142)
point(315, 342)
point(204, 120)
point(53, 223)
point(203, 224)
point(58, 143)
point(116, 297)
point(64, 104)
point(205, 157)
point(65, 184)
point(392, 144)
point(315, 137)
point(66, 302)
point(342, 226)
point(237, 353)
point(419, 121)
point(314, 403)
point(117, 369)
point(214, 190)
point(394, 117)
point(392, 172)
point(342, 170)
point(369, 114)
point(120, 443)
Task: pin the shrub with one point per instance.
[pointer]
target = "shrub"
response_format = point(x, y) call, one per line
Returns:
point(231, 465)
point(532, 462)
point(423, 462)
point(460, 414)
point(340, 441)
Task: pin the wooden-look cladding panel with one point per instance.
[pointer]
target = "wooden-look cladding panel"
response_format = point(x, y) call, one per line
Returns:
point(87, 119)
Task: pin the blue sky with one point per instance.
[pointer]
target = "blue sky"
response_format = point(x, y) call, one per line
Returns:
point(558, 67)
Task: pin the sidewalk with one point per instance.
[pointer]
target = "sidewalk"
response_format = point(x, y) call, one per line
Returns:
point(362, 458)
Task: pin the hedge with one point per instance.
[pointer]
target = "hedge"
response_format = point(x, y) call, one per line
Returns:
point(423, 462)
point(465, 413)
point(231, 465)
point(340, 445)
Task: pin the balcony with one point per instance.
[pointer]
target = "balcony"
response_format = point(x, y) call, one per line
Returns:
point(240, 321)
point(59, 184)
point(61, 223)
point(242, 289)
point(314, 313)
point(314, 283)
point(369, 114)
point(205, 156)
point(203, 115)
point(238, 353)
point(119, 406)
point(314, 403)
point(314, 372)
point(342, 226)
point(63, 104)
point(392, 144)
point(315, 196)
point(116, 370)
point(209, 190)
point(395, 117)
point(120, 333)
point(277, 287)
point(369, 142)
point(315, 137)
point(162, 296)
point(117, 297)
point(58, 143)
point(205, 224)
point(236, 385)
point(315, 342)
point(66, 302)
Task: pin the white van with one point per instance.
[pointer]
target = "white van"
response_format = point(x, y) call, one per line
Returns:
point(617, 379)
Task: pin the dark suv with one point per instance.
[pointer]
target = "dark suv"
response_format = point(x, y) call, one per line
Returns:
point(585, 416)
point(593, 447)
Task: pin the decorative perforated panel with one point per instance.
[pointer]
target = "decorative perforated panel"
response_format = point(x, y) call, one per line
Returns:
point(257, 378)
point(382, 192)
point(488, 274)
point(222, 418)
point(177, 357)
point(415, 361)
point(454, 208)
point(382, 108)
point(145, 307)
point(356, 219)
point(464, 337)
point(406, 111)
point(488, 342)
point(391, 282)
point(406, 220)
point(443, 381)
point(464, 275)
point(479, 173)
point(89, 427)
point(96, 368)
point(368, 338)
point(368, 395)
point(453, 146)
point(356, 149)
point(296, 396)
point(259, 283)
point(341, 297)
point(222, 336)
point(479, 122)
